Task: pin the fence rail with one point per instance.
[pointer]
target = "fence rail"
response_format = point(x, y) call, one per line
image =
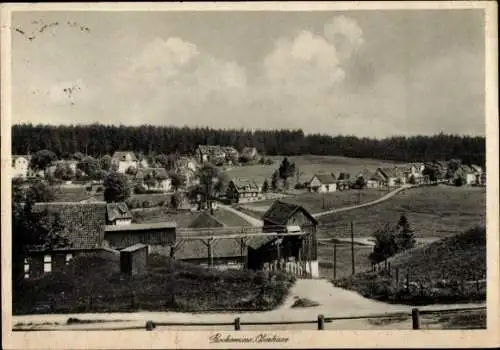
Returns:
point(237, 323)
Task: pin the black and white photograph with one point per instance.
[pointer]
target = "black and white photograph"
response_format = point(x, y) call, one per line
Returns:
point(248, 172)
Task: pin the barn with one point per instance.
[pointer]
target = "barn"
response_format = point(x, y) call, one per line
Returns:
point(299, 246)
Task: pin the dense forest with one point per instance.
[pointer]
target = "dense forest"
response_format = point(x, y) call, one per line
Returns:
point(98, 139)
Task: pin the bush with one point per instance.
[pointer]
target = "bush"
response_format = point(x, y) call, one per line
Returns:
point(147, 204)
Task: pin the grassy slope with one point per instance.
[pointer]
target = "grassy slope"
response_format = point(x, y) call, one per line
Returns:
point(167, 285)
point(308, 165)
point(439, 270)
point(432, 212)
point(314, 202)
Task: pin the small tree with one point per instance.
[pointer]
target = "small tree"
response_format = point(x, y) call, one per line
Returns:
point(150, 180)
point(274, 180)
point(64, 172)
point(177, 180)
point(116, 187)
point(175, 200)
point(360, 183)
point(106, 162)
point(265, 186)
point(458, 181)
point(89, 166)
point(385, 244)
point(42, 159)
point(405, 238)
point(286, 170)
point(412, 180)
point(131, 170)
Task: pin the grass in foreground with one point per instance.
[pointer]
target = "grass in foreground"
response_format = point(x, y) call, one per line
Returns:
point(447, 271)
point(94, 284)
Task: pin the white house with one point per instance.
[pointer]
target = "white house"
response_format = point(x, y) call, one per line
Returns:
point(323, 183)
point(154, 179)
point(20, 166)
point(124, 160)
point(392, 176)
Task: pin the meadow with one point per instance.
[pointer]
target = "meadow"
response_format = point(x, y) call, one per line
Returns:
point(308, 165)
point(434, 212)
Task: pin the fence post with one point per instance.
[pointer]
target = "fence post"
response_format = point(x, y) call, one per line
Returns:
point(237, 324)
point(415, 317)
point(150, 325)
point(321, 322)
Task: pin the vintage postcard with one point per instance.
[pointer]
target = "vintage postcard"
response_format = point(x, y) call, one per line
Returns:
point(250, 175)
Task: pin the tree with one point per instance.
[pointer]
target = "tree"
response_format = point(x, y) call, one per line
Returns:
point(177, 180)
point(405, 239)
point(459, 180)
point(106, 162)
point(150, 180)
point(30, 230)
point(163, 160)
point(64, 172)
point(274, 180)
point(131, 170)
point(40, 191)
point(385, 244)
point(431, 171)
point(175, 200)
point(116, 187)
point(286, 170)
point(265, 186)
point(212, 182)
point(42, 159)
point(452, 167)
point(412, 180)
point(89, 166)
point(360, 183)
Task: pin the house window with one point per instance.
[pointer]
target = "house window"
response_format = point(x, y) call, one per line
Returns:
point(68, 258)
point(47, 263)
point(26, 268)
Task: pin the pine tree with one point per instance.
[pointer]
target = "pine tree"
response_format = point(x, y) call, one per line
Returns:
point(265, 186)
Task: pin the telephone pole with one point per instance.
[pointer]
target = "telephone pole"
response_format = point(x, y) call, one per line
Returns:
point(352, 248)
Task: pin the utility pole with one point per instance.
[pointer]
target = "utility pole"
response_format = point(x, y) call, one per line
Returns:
point(334, 260)
point(352, 247)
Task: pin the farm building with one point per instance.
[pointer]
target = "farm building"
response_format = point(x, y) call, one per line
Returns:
point(124, 160)
point(323, 183)
point(243, 190)
point(371, 179)
point(392, 176)
point(81, 224)
point(301, 248)
point(153, 234)
point(231, 154)
point(134, 259)
point(466, 173)
point(118, 214)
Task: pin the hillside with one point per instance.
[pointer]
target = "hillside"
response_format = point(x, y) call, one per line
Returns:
point(450, 270)
point(94, 284)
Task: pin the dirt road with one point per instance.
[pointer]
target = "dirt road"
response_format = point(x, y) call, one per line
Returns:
point(334, 302)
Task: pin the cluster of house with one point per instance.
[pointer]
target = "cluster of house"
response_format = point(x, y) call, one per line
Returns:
point(288, 235)
point(394, 176)
point(224, 155)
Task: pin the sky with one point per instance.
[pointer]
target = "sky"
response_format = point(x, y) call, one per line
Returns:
point(363, 73)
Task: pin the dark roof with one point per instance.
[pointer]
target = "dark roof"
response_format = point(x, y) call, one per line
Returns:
point(118, 211)
point(83, 222)
point(388, 172)
point(281, 212)
point(325, 178)
point(141, 227)
point(245, 185)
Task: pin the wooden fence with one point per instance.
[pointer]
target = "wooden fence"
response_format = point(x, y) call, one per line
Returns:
point(238, 323)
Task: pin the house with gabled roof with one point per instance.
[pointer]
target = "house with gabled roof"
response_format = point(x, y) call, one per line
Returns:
point(210, 154)
point(82, 227)
point(392, 176)
point(124, 160)
point(156, 179)
point(240, 190)
point(250, 153)
point(323, 183)
point(302, 249)
point(370, 178)
point(118, 214)
point(466, 173)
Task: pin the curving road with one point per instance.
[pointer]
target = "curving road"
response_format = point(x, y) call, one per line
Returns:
point(334, 302)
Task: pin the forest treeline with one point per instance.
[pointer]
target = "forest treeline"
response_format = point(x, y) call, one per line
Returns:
point(98, 139)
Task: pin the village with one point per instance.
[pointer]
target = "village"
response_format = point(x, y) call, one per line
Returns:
point(94, 225)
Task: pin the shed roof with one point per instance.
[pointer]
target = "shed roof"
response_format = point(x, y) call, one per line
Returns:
point(281, 212)
point(141, 227)
point(122, 155)
point(118, 211)
point(325, 178)
point(134, 247)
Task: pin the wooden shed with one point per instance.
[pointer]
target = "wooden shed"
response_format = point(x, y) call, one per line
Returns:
point(134, 259)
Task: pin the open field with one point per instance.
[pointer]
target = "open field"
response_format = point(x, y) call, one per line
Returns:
point(95, 284)
point(447, 271)
point(75, 194)
point(344, 260)
point(435, 211)
point(308, 165)
point(318, 202)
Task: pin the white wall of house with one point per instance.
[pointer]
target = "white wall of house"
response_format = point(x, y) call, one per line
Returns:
point(123, 221)
point(124, 165)
point(372, 184)
point(20, 167)
point(470, 179)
